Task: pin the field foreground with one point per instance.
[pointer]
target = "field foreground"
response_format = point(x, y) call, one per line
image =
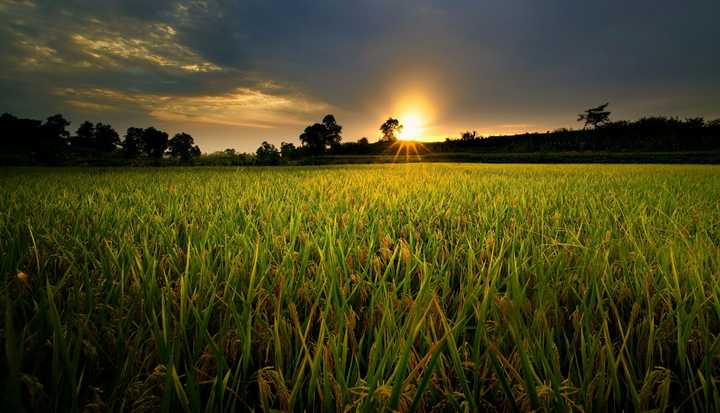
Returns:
point(387, 287)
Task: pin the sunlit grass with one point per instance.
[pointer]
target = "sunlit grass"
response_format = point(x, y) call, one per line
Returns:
point(402, 287)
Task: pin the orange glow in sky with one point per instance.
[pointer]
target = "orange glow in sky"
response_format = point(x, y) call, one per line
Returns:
point(413, 126)
point(415, 113)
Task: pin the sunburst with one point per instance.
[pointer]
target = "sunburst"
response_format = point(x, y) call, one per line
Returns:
point(410, 148)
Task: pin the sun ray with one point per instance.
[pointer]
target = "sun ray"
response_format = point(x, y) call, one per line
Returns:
point(410, 149)
point(397, 153)
point(417, 154)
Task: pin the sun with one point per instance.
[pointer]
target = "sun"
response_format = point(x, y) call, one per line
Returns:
point(413, 126)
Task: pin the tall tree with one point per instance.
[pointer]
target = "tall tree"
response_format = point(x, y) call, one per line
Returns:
point(133, 143)
point(595, 116)
point(154, 142)
point(333, 131)
point(390, 129)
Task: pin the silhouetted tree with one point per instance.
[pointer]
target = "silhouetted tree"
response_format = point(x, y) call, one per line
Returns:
point(106, 139)
point(56, 127)
point(83, 139)
point(288, 151)
point(314, 138)
point(268, 154)
point(17, 139)
point(94, 140)
point(154, 142)
point(695, 122)
point(468, 136)
point(390, 129)
point(52, 141)
point(29, 141)
point(595, 116)
point(133, 143)
point(320, 136)
point(332, 131)
point(183, 146)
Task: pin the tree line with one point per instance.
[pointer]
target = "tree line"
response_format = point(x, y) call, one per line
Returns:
point(48, 142)
point(318, 139)
point(29, 141)
point(598, 134)
point(649, 134)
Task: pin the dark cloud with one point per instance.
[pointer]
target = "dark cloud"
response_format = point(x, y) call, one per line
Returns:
point(498, 66)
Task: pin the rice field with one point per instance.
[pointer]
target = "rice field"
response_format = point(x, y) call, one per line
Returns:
point(415, 287)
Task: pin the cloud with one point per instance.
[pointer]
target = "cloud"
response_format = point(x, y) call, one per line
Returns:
point(266, 68)
point(158, 46)
point(241, 107)
point(122, 62)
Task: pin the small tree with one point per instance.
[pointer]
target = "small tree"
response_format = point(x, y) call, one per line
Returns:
point(390, 129)
point(695, 122)
point(468, 136)
point(195, 152)
point(596, 116)
point(268, 154)
point(288, 151)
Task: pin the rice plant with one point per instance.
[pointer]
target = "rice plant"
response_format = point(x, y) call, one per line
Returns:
point(416, 287)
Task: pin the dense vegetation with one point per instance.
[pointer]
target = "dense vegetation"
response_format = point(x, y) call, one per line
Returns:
point(646, 140)
point(33, 142)
point(657, 134)
point(408, 287)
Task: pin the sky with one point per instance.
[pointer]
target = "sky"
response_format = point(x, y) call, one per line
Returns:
point(236, 73)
